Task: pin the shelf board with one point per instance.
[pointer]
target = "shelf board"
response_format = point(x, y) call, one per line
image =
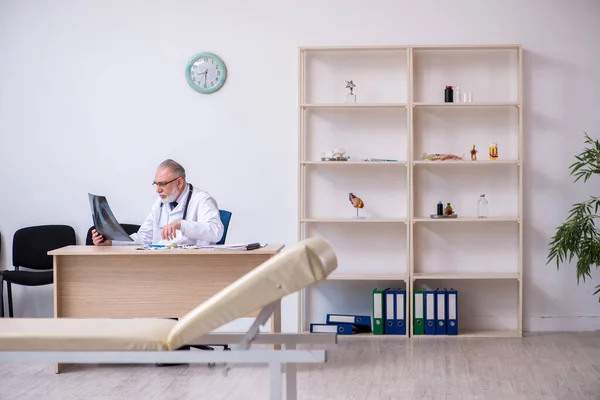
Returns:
point(358, 336)
point(363, 277)
point(352, 48)
point(467, 162)
point(467, 275)
point(467, 105)
point(406, 47)
point(351, 220)
point(466, 219)
point(363, 336)
point(355, 105)
point(471, 333)
point(468, 47)
point(346, 163)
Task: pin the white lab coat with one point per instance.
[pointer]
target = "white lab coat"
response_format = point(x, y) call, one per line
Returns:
point(201, 226)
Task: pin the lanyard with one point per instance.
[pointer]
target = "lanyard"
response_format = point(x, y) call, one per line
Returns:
point(187, 203)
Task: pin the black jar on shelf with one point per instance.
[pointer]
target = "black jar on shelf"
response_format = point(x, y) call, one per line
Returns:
point(448, 95)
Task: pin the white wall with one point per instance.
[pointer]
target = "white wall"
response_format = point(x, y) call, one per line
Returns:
point(93, 97)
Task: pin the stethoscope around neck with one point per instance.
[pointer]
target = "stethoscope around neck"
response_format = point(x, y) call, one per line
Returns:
point(187, 203)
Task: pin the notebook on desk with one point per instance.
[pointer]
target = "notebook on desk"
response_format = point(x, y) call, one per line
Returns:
point(104, 220)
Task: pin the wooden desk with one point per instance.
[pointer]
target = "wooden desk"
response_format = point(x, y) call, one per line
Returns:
point(121, 281)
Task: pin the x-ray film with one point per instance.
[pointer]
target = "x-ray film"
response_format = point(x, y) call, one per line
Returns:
point(104, 220)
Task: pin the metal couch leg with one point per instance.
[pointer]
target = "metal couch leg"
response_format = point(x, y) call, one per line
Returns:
point(290, 369)
point(275, 370)
point(1, 296)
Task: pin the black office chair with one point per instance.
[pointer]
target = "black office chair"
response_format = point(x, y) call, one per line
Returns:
point(30, 250)
point(129, 228)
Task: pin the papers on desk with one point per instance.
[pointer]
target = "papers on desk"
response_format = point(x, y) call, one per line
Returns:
point(225, 247)
point(167, 246)
point(237, 246)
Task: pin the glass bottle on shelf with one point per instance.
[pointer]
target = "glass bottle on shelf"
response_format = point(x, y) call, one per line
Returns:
point(482, 207)
point(448, 209)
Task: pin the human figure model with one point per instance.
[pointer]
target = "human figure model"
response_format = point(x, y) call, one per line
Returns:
point(350, 97)
point(356, 203)
point(473, 154)
point(350, 85)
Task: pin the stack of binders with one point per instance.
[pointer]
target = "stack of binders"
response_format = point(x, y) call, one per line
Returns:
point(389, 311)
point(343, 324)
point(435, 312)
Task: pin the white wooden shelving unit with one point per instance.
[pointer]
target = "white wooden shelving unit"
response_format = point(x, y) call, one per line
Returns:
point(398, 115)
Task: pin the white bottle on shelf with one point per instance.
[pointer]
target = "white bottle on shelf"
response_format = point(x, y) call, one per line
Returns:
point(482, 207)
point(456, 94)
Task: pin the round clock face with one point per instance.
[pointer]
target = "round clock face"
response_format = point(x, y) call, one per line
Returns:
point(205, 73)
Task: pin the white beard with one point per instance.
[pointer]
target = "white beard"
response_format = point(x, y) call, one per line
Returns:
point(169, 198)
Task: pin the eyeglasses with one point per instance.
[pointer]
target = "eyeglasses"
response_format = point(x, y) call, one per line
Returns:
point(163, 184)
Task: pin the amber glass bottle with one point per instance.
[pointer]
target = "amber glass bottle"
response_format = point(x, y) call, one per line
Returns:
point(449, 210)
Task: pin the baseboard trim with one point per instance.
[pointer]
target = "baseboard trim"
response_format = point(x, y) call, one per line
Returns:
point(561, 323)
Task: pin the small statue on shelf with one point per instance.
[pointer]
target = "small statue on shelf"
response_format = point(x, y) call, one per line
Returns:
point(356, 203)
point(335, 155)
point(473, 154)
point(350, 97)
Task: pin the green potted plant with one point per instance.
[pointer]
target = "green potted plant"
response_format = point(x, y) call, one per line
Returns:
point(578, 237)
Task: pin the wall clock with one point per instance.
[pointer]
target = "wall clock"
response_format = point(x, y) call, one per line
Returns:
point(205, 73)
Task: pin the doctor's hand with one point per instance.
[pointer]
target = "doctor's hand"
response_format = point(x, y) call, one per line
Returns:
point(169, 232)
point(98, 239)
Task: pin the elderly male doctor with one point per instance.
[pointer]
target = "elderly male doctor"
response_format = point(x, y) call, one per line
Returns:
point(181, 215)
